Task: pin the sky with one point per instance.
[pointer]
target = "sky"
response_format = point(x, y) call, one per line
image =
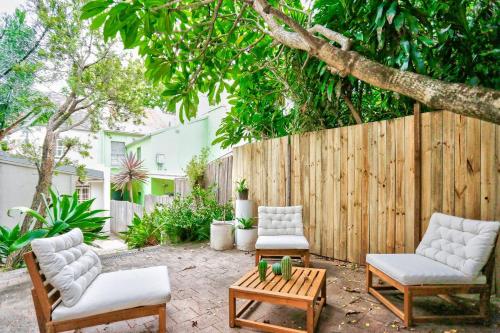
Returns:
point(8, 6)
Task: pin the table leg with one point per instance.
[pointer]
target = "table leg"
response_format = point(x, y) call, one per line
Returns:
point(323, 290)
point(310, 318)
point(232, 308)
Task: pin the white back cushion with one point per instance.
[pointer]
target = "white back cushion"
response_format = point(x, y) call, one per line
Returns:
point(462, 244)
point(67, 263)
point(274, 221)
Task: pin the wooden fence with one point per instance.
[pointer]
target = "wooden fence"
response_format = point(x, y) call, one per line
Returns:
point(219, 173)
point(150, 201)
point(182, 186)
point(122, 213)
point(373, 187)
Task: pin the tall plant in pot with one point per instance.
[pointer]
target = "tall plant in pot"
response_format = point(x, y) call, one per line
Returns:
point(242, 189)
point(222, 231)
point(246, 234)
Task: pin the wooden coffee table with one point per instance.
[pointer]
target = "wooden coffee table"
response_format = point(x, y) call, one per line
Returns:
point(302, 291)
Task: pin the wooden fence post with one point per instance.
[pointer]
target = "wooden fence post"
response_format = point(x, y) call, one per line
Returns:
point(418, 184)
point(288, 175)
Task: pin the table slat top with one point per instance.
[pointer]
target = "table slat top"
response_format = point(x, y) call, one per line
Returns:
point(305, 282)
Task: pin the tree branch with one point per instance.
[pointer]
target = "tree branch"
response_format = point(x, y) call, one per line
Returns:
point(355, 114)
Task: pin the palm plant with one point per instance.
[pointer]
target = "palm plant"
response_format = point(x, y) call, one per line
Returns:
point(131, 172)
point(65, 212)
point(13, 240)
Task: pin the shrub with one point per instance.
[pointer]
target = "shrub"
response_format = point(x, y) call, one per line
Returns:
point(65, 213)
point(189, 218)
point(196, 167)
point(13, 240)
point(146, 231)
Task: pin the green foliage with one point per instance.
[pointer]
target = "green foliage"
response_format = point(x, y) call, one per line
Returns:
point(13, 240)
point(20, 63)
point(65, 212)
point(186, 219)
point(189, 218)
point(146, 231)
point(241, 186)
point(246, 223)
point(195, 169)
point(275, 91)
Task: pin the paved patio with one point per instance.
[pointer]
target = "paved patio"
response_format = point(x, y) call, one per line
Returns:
point(200, 277)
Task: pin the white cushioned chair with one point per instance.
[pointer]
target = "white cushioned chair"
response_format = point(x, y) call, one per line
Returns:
point(280, 233)
point(70, 292)
point(456, 255)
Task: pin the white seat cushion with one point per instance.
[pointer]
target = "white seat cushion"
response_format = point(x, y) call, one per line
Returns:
point(459, 243)
point(282, 242)
point(67, 263)
point(119, 290)
point(275, 221)
point(414, 269)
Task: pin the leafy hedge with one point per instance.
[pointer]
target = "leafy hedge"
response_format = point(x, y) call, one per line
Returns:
point(185, 220)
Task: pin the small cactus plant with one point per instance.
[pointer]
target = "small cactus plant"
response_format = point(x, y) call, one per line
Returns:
point(276, 268)
point(262, 270)
point(286, 268)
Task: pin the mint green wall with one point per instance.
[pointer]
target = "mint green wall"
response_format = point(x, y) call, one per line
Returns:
point(161, 186)
point(107, 137)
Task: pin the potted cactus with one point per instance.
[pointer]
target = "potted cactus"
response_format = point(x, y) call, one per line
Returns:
point(222, 232)
point(242, 189)
point(246, 234)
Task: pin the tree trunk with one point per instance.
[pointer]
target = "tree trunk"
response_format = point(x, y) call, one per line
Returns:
point(478, 102)
point(130, 192)
point(45, 172)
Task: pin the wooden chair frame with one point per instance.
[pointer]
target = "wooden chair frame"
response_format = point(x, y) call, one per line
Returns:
point(303, 254)
point(46, 298)
point(442, 290)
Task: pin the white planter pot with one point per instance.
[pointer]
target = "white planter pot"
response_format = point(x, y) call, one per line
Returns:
point(221, 235)
point(246, 238)
point(244, 209)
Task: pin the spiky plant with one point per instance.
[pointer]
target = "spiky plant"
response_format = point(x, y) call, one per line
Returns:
point(131, 172)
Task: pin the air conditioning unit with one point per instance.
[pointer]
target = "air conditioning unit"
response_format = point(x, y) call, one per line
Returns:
point(160, 159)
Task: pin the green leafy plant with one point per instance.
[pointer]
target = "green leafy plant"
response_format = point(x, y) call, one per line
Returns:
point(245, 223)
point(146, 231)
point(13, 240)
point(189, 218)
point(65, 212)
point(241, 186)
point(195, 169)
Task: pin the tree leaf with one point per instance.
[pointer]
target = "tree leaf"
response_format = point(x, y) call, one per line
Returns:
point(391, 12)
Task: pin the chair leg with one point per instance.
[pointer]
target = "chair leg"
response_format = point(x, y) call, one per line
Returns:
point(162, 320)
point(257, 257)
point(407, 308)
point(38, 311)
point(484, 304)
point(369, 278)
point(306, 259)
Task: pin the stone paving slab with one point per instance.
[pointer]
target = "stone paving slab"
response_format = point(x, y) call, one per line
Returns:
point(200, 278)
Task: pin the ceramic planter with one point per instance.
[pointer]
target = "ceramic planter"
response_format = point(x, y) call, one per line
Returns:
point(222, 235)
point(246, 238)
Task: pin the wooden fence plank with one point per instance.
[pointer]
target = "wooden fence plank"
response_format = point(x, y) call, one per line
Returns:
point(426, 170)
point(436, 200)
point(373, 187)
point(327, 171)
point(448, 162)
point(473, 161)
point(351, 189)
point(336, 204)
point(344, 193)
point(460, 166)
point(400, 185)
point(391, 186)
point(410, 183)
point(382, 184)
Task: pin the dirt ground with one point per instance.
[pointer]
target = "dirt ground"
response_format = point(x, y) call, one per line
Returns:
point(200, 278)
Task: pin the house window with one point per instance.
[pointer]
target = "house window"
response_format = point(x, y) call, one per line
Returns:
point(59, 147)
point(117, 152)
point(139, 153)
point(83, 192)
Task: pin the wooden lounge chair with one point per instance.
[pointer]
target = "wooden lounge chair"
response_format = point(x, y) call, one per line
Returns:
point(455, 256)
point(281, 233)
point(108, 297)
